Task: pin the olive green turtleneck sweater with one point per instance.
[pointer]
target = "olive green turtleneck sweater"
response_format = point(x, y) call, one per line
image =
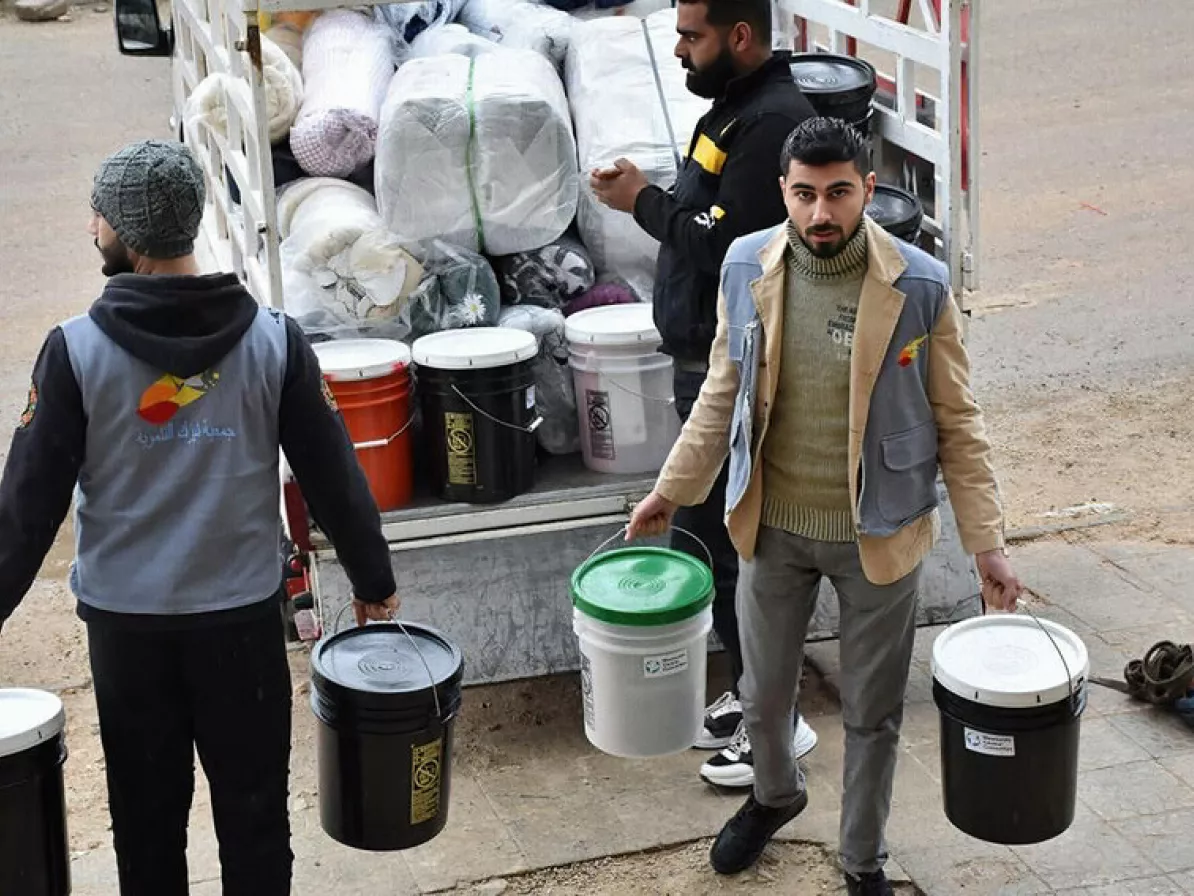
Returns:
point(805, 472)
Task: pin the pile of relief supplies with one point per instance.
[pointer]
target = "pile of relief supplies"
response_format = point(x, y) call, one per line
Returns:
point(431, 161)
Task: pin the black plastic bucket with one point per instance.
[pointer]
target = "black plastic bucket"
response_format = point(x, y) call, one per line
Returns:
point(897, 211)
point(837, 86)
point(385, 734)
point(1010, 691)
point(477, 394)
point(34, 848)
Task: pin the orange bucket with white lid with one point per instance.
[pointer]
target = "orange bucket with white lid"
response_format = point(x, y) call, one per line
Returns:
point(371, 382)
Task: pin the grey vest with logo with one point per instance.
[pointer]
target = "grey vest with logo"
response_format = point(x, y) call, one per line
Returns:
point(177, 504)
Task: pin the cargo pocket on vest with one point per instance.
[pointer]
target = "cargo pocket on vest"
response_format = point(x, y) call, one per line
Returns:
point(909, 485)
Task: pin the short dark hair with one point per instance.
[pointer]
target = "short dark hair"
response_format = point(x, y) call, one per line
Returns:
point(728, 13)
point(825, 141)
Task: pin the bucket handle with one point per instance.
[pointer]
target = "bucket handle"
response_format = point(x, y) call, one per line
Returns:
point(624, 529)
point(627, 389)
point(439, 713)
point(382, 443)
point(1069, 676)
point(529, 430)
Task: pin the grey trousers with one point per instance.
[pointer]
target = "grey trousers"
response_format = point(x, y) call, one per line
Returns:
point(777, 594)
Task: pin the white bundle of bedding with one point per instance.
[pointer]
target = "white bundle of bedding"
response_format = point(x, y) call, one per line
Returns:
point(629, 99)
point(208, 104)
point(342, 270)
point(347, 65)
point(449, 39)
point(521, 25)
point(477, 151)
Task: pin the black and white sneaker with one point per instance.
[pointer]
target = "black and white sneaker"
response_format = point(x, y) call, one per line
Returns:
point(722, 719)
point(734, 767)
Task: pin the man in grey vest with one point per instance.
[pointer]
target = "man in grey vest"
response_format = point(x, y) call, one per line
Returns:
point(162, 410)
point(838, 388)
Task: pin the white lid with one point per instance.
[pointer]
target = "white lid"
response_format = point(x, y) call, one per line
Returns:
point(1009, 661)
point(475, 348)
point(27, 718)
point(613, 325)
point(360, 359)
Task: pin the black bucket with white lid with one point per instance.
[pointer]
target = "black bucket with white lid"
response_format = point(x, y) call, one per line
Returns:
point(1010, 691)
point(34, 848)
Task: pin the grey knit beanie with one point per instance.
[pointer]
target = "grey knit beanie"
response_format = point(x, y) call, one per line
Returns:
point(152, 195)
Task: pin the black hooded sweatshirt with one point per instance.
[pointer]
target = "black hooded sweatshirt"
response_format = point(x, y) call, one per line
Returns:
point(181, 325)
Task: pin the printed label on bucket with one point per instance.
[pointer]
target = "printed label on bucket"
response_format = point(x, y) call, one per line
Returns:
point(462, 462)
point(586, 689)
point(665, 664)
point(425, 773)
point(601, 430)
point(990, 744)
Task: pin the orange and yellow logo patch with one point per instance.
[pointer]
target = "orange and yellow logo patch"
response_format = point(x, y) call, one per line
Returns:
point(911, 351)
point(161, 401)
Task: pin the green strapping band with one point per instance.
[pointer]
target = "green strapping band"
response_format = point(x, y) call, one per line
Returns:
point(468, 155)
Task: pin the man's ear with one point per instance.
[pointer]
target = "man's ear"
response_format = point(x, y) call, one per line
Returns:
point(869, 183)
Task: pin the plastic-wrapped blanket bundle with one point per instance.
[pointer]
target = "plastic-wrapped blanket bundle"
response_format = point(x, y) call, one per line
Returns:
point(629, 98)
point(521, 25)
point(606, 8)
point(343, 273)
point(555, 395)
point(347, 66)
point(407, 21)
point(458, 290)
point(550, 277)
point(208, 104)
point(478, 151)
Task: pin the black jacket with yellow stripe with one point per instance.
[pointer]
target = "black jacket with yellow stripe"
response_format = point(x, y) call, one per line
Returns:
point(728, 187)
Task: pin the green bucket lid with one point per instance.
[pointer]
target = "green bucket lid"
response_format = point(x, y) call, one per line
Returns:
point(642, 586)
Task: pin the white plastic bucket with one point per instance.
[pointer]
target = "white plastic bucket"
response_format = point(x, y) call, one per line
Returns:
point(624, 393)
point(642, 617)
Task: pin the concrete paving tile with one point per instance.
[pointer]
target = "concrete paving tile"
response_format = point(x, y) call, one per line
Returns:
point(974, 869)
point(1102, 746)
point(1153, 886)
point(1134, 642)
point(1138, 788)
point(1090, 854)
point(652, 819)
point(1185, 880)
point(453, 857)
point(1128, 550)
point(323, 866)
point(1171, 572)
point(1163, 838)
point(1161, 733)
point(1182, 765)
point(554, 818)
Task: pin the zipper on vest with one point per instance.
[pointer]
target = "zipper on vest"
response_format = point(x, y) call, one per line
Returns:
point(861, 493)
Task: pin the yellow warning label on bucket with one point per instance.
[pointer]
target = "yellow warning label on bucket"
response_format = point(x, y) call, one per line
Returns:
point(462, 461)
point(425, 773)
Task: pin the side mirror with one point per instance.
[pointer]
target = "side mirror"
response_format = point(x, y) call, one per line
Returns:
point(139, 30)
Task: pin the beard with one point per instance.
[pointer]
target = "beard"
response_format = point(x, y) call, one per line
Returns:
point(116, 260)
point(711, 81)
point(828, 248)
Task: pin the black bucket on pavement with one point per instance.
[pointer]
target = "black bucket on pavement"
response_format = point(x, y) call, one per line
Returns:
point(385, 733)
point(897, 211)
point(477, 393)
point(34, 848)
point(1010, 691)
point(837, 86)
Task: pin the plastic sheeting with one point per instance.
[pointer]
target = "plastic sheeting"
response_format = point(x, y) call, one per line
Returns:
point(458, 290)
point(606, 8)
point(555, 397)
point(343, 273)
point(629, 99)
point(208, 104)
point(478, 151)
point(521, 25)
point(449, 39)
point(549, 277)
point(347, 66)
point(407, 21)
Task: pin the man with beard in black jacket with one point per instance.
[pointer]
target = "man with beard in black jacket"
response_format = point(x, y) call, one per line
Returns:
point(727, 187)
point(162, 410)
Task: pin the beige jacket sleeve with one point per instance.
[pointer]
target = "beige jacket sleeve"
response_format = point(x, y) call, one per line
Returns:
point(704, 443)
point(962, 445)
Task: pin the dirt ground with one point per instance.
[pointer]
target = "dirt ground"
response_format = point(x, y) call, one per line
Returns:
point(786, 869)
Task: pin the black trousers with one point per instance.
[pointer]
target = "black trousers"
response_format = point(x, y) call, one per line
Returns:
point(707, 522)
point(223, 691)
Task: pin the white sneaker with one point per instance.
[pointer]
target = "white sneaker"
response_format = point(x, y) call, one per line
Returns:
point(722, 720)
point(734, 767)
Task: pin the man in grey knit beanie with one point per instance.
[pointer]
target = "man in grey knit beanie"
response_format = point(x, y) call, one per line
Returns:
point(149, 198)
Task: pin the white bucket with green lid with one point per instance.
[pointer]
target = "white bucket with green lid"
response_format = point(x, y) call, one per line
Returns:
point(642, 616)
